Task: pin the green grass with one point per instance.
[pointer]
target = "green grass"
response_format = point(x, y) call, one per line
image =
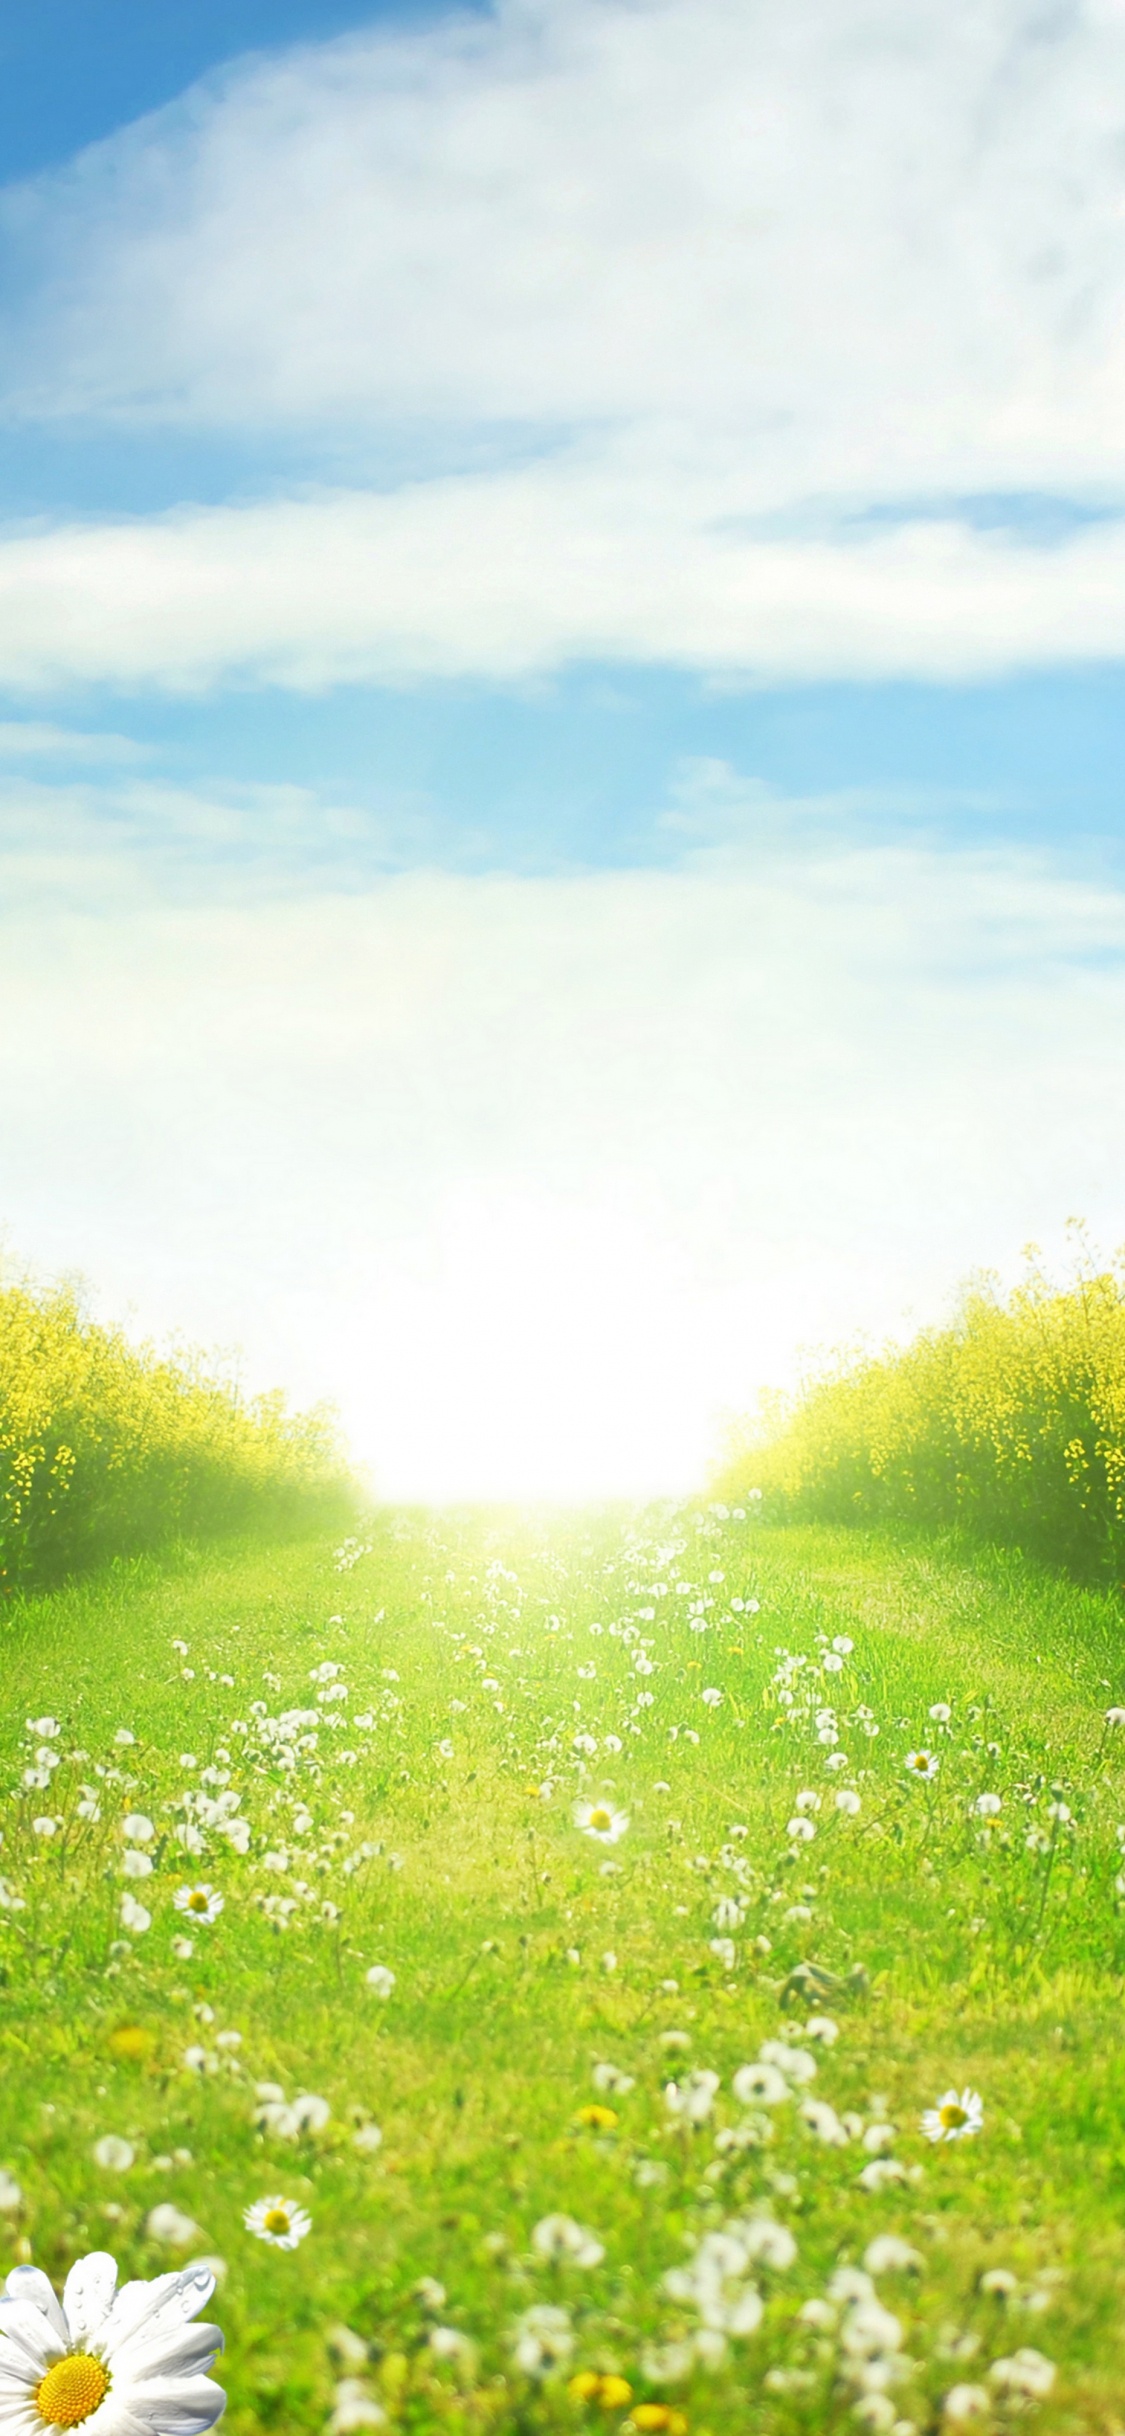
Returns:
point(964, 1961)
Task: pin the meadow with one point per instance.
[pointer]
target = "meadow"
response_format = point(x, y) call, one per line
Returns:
point(626, 1971)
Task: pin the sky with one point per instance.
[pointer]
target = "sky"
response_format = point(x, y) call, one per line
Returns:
point(562, 618)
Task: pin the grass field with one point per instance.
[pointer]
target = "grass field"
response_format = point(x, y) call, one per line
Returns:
point(539, 2196)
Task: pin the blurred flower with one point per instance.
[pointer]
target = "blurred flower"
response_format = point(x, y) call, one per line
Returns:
point(278, 2221)
point(114, 2154)
point(953, 2117)
point(203, 1903)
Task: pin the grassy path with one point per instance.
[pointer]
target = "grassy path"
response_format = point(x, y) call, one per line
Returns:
point(376, 1765)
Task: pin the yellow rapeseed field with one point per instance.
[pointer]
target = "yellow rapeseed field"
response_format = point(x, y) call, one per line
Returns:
point(106, 1447)
point(1010, 1421)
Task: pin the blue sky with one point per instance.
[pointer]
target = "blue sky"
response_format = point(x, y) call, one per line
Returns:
point(485, 497)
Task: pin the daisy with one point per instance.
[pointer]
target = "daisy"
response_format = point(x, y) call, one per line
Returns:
point(105, 2360)
point(202, 1902)
point(598, 1820)
point(561, 2237)
point(278, 2221)
point(953, 2117)
point(923, 1764)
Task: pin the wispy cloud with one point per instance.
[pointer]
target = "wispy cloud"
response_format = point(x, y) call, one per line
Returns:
point(687, 292)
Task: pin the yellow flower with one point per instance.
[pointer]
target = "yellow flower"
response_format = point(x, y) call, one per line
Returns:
point(652, 2415)
point(596, 2118)
point(584, 2387)
point(615, 2393)
point(130, 2044)
point(612, 2393)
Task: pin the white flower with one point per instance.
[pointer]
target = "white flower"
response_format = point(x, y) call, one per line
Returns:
point(760, 2085)
point(692, 2098)
point(124, 1738)
point(203, 1903)
point(11, 2196)
point(136, 1865)
point(105, 2361)
point(711, 1697)
point(727, 1913)
point(542, 2339)
point(367, 2139)
point(848, 1803)
point(380, 1980)
point(136, 1829)
point(45, 1826)
point(609, 2078)
point(134, 1916)
point(183, 1948)
point(1026, 2377)
point(800, 1831)
point(598, 1820)
point(169, 2224)
point(954, 2117)
point(887, 2255)
point(561, 2237)
point(115, 2155)
point(767, 2243)
point(941, 1712)
point(808, 1800)
point(1113, 1717)
point(311, 2113)
point(823, 2029)
point(823, 2119)
point(278, 2221)
point(43, 1728)
point(923, 1764)
point(987, 1805)
point(881, 2172)
point(354, 2407)
point(965, 2402)
point(797, 2065)
point(842, 1645)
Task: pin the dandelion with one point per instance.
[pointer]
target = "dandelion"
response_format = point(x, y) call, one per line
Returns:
point(596, 2118)
point(823, 2029)
point(45, 1826)
point(953, 2117)
point(711, 1697)
point(203, 1903)
point(11, 2196)
point(807, 1801)
point(598, 1820)
point(887, 2255)
point(1115, 1717)
point(987, 1806)
point(964, 2403)
point(136, 1829)
point(795, 2063)
point(60, 2362)
point(113, 2155)
point(380, 1981)
point(923, 1764)
point(278, 2221)
point(760, 2085)
point(1026, 2377)
point(542, 2339)
point(941, 1712)
point(692, 2099)
point(169, 2225)
point(134, 1916)
point(800, 1830)
point(183, 1948)
point(123, 1738)
point(562, 2238)
point(847, 1803)
point(612, 2081)
point(136, 1865)
point(367, 2139)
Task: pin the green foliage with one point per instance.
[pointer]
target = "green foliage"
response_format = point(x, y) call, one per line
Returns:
point(1010, 1424)
point(107, 1448)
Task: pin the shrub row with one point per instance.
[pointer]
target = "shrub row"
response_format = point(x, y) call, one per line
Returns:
point(1010, 1422)
point(107, 1448)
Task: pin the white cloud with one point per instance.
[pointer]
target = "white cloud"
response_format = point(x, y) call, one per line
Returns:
point(537, 1175)
point(679, 290)
point(509, 576)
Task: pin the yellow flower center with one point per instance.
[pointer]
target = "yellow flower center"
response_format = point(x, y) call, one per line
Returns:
point(276, 2220)
point(601, 1820)
point(952, 2117)
point(198, 1901)
point(71, 2390)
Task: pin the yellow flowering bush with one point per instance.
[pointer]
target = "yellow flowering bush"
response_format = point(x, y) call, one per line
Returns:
point(1010, 1422)
point(107, 1447)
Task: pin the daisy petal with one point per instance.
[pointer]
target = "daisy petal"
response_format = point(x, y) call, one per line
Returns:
point(181, 2351)
point(30, 2284)
point(186, 2406)
point(88, 2295)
